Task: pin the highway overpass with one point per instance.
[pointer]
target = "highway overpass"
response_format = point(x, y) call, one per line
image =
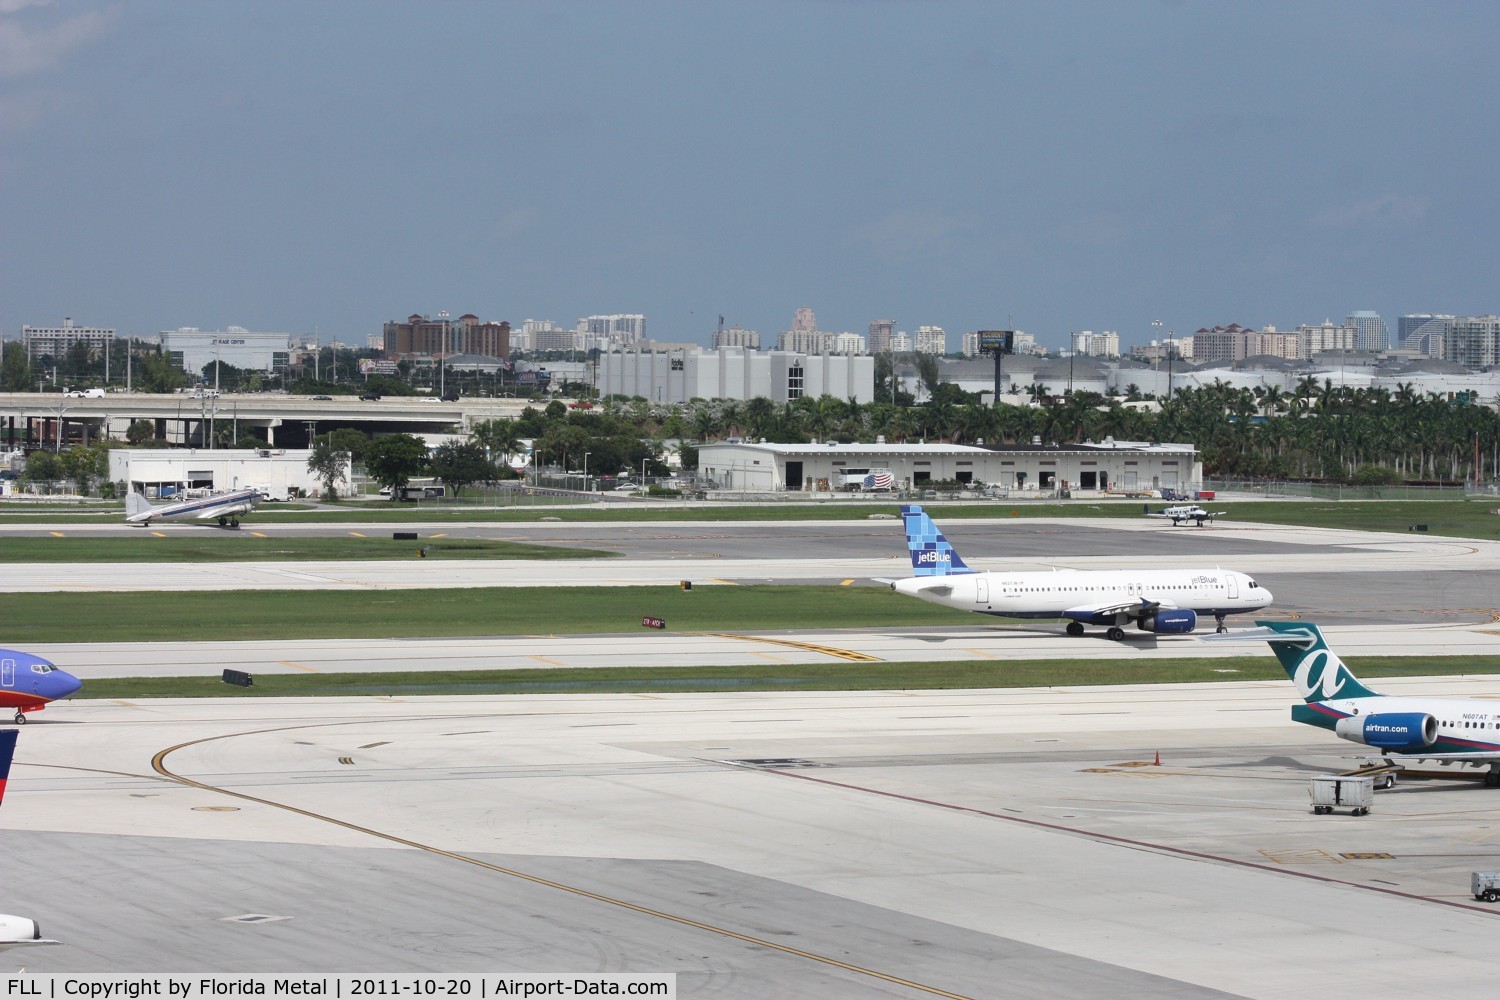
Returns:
point(29, 419)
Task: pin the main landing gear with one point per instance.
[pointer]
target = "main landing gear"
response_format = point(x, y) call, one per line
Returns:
point(229, 522)
point(1492, 779)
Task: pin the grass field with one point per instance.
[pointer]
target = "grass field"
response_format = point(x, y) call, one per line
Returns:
point(246, 545)
point(782, 677)
point(343, 614)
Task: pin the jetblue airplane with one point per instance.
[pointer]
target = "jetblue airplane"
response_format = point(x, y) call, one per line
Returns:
point(1190, 512)
point(1166, 601)
point(28, 683)
point(14, 931)
point(226, 508)
point(1448, 730)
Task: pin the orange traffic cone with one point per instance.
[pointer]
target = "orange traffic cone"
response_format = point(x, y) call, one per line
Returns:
point(1157, 761)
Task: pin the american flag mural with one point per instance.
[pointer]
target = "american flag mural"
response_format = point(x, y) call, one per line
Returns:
point(879, 481)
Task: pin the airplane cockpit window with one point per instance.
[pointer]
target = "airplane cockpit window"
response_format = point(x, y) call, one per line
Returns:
point(42, 668)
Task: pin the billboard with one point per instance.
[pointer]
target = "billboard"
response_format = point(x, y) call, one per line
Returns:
point(997, 341)
point(378, 366)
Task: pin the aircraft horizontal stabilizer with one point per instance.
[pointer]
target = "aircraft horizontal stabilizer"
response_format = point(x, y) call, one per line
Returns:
point(1298, 637)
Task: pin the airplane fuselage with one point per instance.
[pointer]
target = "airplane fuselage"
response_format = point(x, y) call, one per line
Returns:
point(220, 508)
point(28, 683)
point(1464, 725)
point(1051, 594)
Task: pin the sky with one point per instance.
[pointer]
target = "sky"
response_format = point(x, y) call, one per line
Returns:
point(1052, 167)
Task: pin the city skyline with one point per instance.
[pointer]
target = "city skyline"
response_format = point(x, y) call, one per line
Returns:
point(1054, 169)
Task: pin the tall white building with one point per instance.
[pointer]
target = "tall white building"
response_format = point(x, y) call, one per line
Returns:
point(1326, 336)
point(1370, 331)
point(931, 340)
point(617, 328)
point(40, 341)
point(1098, 345)
point(1473, 341)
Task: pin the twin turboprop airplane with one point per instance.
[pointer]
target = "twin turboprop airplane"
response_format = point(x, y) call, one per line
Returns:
point(1462, 731)
point(1166, 601)
point(226, 508)
point(15, 931)
point(28, 683)
point(1189, 512)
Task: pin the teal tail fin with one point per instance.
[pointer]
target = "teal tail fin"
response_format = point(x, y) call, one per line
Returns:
point(1316, 670)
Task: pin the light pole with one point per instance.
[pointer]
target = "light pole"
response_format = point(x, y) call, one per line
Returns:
point(1156, 336)
point(586, 472)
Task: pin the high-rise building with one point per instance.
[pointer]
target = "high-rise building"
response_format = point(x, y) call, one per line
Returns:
point(931, 340)
point(1098, 345)
point(737, 337)
point(1314, 339)
point(615, 329)
point(55, 341)
point(1370, 331)
point(1423, 332)
point(1473, 341)
point(424, 337)
point(804, 322)
point(880, 335)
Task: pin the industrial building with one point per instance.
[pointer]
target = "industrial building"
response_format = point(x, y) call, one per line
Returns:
point(1084, 470)
point(166, 471)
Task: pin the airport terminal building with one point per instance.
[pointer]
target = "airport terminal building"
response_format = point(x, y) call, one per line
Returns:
point(1084, 470)
point(163, 472)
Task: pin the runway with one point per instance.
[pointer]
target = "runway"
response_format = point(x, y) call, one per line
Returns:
point(982, 844)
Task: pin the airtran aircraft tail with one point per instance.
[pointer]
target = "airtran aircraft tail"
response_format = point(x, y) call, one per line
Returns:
point(931, 554)
point(1316, 670)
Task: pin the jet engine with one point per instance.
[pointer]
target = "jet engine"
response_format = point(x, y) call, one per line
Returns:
point(18, 930)
point(1390, 731)
point(1174, 621)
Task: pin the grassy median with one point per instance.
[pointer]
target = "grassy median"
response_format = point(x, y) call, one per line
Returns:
point(967, 674)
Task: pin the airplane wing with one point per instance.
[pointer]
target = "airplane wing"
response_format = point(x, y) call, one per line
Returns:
point(1092, 612)
point(1467, 757)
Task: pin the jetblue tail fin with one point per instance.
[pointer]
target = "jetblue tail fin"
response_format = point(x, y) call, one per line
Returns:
point(931, 554)
point(1316, 670)
point(7, 751)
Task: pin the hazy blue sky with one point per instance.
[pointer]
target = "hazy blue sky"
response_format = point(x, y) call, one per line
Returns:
point(333, 165)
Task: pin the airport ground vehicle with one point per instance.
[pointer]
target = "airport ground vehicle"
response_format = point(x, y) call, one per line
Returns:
point(1486, 886)
point(1331, 791)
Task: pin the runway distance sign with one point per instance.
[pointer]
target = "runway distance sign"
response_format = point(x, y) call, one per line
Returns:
point(654, 622)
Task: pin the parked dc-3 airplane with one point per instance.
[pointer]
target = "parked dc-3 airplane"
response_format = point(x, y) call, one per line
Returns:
point(28, 683)
point(1448, 730)
point(225, 508)
point(1167, 601)
point(1189, 512)
point(14, 931)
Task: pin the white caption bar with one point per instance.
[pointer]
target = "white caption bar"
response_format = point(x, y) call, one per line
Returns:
point(340, 986)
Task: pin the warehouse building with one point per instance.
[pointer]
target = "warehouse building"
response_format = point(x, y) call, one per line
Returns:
point(1084, 470)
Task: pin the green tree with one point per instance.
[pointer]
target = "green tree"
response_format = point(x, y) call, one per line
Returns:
point(156, 373)
point(459, 464)
point(15, 371)
point(393, 459)
point(329, 463)
point(85, 465)
point(356, 442)
point(140, 431)
point(42, 467)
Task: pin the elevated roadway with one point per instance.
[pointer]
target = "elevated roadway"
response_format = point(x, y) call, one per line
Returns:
point(283, 420)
